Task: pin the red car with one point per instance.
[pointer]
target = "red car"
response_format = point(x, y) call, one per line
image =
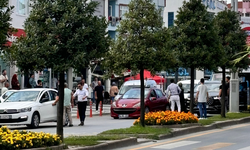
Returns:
point(129, 104)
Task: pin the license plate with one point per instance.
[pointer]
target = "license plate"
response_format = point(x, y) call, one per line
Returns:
point(5, 116)
point(123, 116)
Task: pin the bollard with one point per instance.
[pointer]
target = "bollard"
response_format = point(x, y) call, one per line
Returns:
point(100, 108)
point(77, 114)
point(90, 107)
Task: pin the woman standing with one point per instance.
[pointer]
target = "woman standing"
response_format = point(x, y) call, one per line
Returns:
point(182, 100)
point(15, 83)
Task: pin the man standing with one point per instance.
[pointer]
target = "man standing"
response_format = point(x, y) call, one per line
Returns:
point(174, 91)
point(3, 79)
point(32, 81)
point(99, 95)
point(202, 98)
point(5, 88)
point(82, 95)
point(94, 84)
point(68, 102)
point(85, 85)
point(113, 91)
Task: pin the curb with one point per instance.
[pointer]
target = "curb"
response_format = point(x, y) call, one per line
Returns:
point(59, 147)
point(215, 125)
point(110, 144)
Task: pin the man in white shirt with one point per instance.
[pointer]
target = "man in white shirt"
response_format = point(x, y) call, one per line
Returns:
point(202, 98)
point(174, 91)
point(5, 88)
point(3, 79)
point(85, 85)
point(82, 95)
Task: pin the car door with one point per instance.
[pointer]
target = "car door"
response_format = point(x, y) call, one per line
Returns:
point(153, 104)
point(46, 108)
point(161, 99)
point(53, 95)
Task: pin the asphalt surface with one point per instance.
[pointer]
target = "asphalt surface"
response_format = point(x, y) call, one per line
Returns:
point(93, 126)
point(229, 138)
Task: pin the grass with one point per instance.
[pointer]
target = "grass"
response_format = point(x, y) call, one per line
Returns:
point(229, 116)
point(139, 130)
point(90, 140)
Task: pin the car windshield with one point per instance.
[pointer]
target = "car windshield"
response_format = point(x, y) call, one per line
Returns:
point(186, 87)
point(5, 95)
point(135, 94)
point(22, 96)
point(210, 87)
point(124, 89)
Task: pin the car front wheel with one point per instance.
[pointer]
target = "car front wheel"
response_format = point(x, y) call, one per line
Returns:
point(35, 120)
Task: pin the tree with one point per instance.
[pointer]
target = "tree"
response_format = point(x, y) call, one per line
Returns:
point(60, 34)
point(5, 25)
point(195, 39)
point(232, 38)
point(141, 44)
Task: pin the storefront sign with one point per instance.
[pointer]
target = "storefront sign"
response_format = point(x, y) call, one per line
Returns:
point(247, 30)
point(209, 3)
point(181, 72)
point(220, 6)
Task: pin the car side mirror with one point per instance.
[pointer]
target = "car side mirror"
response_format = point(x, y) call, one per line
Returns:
point(44, 100)
point(152, 98)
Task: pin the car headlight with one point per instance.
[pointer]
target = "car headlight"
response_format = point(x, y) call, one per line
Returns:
point(137, 105)
point(116, 98)
point(113, 105)
point(25, 109)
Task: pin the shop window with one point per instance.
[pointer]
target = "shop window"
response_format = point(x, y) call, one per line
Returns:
point(123, 9)
point(247, 14)
point(170, 19)
point(22, 7)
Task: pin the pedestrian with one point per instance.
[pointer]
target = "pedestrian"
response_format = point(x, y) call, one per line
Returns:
point(202, 98)
point(15, 83)
point(226, 96)
point(94, 84)
point(228, 91)
point(82, 95)
point(32, 81)
point(3, 79)
point(174, 91)
point(85, 85)
point(39, 84)
point(5, 88)
point(113, 91)
point(99, 95)
point(68, 103)
point(182, 100)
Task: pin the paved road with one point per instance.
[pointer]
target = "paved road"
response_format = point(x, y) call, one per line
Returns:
point(92, 126)
point(106, 108)
point(230, 138)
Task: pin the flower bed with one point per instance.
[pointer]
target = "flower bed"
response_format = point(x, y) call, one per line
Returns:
point(22, 139)
point(168, 118)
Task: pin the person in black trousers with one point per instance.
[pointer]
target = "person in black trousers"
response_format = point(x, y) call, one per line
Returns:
point(82, 95)
point(99, 95)
point(182, 100)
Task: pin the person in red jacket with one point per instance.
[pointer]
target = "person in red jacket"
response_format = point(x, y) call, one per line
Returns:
point(15, 83)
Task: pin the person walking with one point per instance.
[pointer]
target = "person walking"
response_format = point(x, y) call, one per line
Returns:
point(182, 100)
point(113, 91)
point(68, 103)
point(82, 95)
point(3, 79)
point(94, 84)
point(99, 94)
point(32, 81)
point(85, 85)
point(202, 98)
point(5, 88)
point(15, 83)
point(174, 91)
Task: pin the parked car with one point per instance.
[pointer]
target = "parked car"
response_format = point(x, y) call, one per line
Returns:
point(5, 95)
point(213, 104)
point(129, 104)
point(186, 86)
point(132, 84)
point(29, 107)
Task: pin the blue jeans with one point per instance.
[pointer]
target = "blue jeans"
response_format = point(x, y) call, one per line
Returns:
point(112, 99)
point(93, 96)
point(202, 109)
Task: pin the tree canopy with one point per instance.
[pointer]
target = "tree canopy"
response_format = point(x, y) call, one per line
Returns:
point(5, 25)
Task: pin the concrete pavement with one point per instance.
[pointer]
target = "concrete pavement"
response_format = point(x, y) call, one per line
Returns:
point(106, 108)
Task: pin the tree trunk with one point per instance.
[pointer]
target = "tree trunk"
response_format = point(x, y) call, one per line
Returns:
point(192, 90)
point(223, 92)
point(59, 129)
point(142, 116)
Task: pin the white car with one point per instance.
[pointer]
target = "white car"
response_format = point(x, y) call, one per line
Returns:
point(6, 95)
point(29, 107)
point(186, 86)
